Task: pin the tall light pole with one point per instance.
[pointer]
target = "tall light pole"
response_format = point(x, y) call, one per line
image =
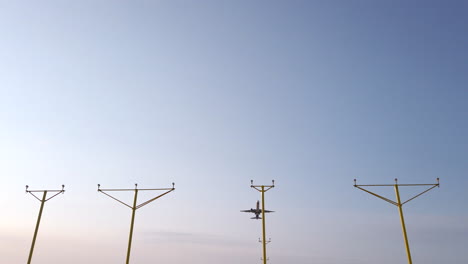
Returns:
point(42, 200)
point(134, 207)
point(399, 204)
point(263, 189)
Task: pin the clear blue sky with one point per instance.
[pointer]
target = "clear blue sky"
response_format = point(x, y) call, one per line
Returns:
point(212, 94)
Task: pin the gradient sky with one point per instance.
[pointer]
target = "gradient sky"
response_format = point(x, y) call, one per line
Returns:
point(212, 94)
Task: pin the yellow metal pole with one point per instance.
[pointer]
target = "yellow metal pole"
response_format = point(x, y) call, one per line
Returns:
point(263, 223)
point(403, 227)
point(37, 227)
point(131, 226)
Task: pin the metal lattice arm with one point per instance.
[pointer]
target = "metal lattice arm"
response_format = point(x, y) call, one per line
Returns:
point(416, 196)
point(153, 199)
point(112, 197)
point(376, 195)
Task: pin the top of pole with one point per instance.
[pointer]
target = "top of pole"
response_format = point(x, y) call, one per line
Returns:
point(262, 186)
point(45, 191)
point(30, 191)
point(396, 183)
point(136, 188)
point(166, 191)
point(431, 186)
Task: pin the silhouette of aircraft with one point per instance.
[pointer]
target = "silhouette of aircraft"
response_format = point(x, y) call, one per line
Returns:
point(257, 211)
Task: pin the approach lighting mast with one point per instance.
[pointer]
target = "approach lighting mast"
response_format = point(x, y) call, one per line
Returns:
point(135, 206)
point(43, 200)
point(263, 189)
point(399, 204)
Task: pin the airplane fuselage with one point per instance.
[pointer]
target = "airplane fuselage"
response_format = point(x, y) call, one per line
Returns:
point(257, 211)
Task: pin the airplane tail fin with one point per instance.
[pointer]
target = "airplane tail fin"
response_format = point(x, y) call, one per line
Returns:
point(256, 217)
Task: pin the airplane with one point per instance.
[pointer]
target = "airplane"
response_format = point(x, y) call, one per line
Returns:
point(256, 211)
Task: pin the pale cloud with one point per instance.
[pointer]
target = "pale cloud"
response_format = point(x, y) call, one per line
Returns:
point(169, 237)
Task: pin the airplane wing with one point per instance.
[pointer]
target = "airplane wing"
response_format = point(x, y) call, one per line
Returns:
point(247, 211)
point(266, 211)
